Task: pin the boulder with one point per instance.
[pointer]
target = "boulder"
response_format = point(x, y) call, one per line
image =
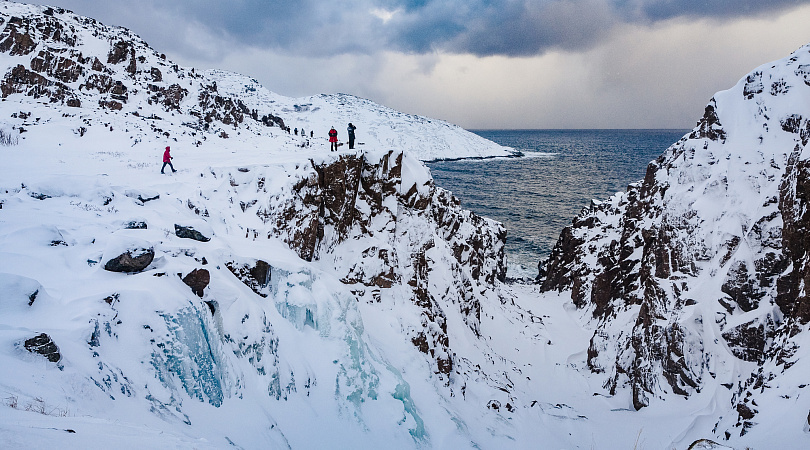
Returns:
point(136, 225)
point(44, 345)
point(130, 261)
point(197, 280)
point(189, 233)
point(17, 291)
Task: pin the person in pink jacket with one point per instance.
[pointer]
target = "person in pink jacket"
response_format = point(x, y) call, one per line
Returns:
point(167, 159)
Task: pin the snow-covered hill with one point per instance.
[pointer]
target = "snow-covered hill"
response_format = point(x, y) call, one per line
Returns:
point(91, 74)
point(694, 280)
point(272, 294)
point(377, 126)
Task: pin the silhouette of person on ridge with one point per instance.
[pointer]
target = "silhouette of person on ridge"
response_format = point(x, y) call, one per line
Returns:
point(167, 159)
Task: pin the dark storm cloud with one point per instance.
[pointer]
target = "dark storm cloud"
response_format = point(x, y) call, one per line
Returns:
point(530, 27)
point(666, 9)
point(315, 28)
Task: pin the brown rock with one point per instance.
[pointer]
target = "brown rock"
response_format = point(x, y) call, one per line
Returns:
point(254, 275)
point(128, 263)
point(197, 280)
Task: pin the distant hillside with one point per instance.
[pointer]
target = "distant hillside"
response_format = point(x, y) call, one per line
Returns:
point(81, 67)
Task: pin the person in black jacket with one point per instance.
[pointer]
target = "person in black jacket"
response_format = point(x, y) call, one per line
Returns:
point(351, 129)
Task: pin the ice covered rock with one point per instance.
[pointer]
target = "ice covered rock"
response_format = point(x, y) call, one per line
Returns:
point(17, 291)
point(136, 225)
point(191, 356)
point(142, 195)
point(707, 444)
point(254, 273)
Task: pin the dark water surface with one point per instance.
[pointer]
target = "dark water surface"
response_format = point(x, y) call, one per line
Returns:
point(536, 196)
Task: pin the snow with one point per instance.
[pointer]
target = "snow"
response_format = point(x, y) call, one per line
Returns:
point(304, 360)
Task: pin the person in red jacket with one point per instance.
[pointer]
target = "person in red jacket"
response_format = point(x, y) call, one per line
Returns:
point(333, 140)
point(167, 159)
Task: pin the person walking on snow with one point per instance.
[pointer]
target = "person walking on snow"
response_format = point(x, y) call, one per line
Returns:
point(333, 140)
point(351, 129)
point(167, 159)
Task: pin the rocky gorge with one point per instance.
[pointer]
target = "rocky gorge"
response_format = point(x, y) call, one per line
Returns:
point(275, 294)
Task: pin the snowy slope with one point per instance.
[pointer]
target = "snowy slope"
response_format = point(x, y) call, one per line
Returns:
point(378, 127)
point(258, 322)
point(72, 61)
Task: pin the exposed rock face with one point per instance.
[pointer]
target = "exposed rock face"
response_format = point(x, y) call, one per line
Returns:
point(255, 275)
point(794, 197)
point(59, 71)
point(751, 340)
point(382, 223)
point(43, 345)
point(197, 280)
point(131, 261)
point(718, 228)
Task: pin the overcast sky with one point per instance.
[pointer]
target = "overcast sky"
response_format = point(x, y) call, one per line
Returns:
point(481, 63)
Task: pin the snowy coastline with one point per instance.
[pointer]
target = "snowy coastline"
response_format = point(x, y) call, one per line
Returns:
point(272, 293)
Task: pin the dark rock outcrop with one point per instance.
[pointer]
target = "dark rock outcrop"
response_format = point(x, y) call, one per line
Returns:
point(794, 205)
point(197, 280)
point(43, 344)
point(752, 341)
point(255, 274)
point(131, 261)
point(189, 233)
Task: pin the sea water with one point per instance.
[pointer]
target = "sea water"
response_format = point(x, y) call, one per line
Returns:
point(538, 195)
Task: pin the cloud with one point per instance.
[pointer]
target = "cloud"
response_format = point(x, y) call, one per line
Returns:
point(480, 27)
point(525, 28)
point(482, 63)
point(655, 10)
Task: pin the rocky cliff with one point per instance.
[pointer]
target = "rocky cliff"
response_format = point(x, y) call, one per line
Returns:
point(705, 260)
point(379, 221)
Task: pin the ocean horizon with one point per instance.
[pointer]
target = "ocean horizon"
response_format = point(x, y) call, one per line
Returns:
point(562, 170)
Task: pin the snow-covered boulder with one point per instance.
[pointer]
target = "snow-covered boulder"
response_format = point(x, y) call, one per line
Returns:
point(199, 231)
point(128, 254)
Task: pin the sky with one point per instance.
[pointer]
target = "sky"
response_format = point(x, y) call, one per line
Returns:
point(482, 64)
